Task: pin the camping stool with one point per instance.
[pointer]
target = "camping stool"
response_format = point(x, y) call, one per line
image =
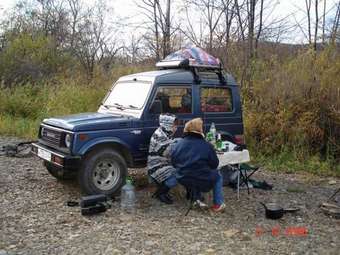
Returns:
point(245, 171)
point(190, 196)
point(191, 191)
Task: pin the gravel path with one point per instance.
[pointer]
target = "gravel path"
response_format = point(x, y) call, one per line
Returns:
point(34, 219)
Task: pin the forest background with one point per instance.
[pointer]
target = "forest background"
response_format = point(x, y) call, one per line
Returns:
point(60, 57)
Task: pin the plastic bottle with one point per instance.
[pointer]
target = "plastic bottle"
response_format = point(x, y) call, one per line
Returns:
point(219, 142)
point(128, 197)
point(212, 130)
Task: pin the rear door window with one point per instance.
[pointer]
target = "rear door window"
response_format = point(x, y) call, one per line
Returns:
point(175, 99)
point(216, 99)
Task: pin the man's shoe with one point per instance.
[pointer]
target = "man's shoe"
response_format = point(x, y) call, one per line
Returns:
point(162, 194)
point(169, 196)
point(165, 198)
point(200, 204)
point(218, 208)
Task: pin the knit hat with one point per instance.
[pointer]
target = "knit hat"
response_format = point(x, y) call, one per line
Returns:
point(194, 126)
point(167, 121)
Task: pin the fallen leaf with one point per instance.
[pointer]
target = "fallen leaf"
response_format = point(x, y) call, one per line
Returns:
point(230, 232)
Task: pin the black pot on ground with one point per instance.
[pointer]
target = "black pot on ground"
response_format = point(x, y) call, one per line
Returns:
point(273, 211)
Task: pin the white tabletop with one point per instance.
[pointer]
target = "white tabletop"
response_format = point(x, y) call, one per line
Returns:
point(233, 157)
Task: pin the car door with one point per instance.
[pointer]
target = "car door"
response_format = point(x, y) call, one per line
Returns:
point(175, 99)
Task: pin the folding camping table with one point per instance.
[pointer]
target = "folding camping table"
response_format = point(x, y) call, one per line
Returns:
point(236, 158)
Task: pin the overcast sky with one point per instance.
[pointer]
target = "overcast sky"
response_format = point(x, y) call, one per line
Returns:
point(294, 9)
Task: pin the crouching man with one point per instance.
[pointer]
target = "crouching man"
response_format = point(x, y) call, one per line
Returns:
point(159, 164)
point(196, 162)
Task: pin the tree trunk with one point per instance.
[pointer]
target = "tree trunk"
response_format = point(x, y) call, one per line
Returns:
point(156, 30)
point(260, 28)
point(166, 37)
point(308, 6)
point(251, 24)
point(335, 24)
point(316, 25)
point(324, 21)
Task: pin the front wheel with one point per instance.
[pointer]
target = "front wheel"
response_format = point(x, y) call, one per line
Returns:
point(102, 172)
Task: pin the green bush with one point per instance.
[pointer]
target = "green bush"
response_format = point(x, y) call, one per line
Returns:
point(28, 58)
point(296, 106)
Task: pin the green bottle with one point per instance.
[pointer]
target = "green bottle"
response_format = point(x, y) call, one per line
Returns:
point(209, 136)
point(219, 144)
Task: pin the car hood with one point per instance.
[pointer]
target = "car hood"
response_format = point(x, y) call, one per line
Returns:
point(90, 121)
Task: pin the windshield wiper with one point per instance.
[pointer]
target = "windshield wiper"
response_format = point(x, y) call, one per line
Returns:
point(119, 106)
point(106, 106)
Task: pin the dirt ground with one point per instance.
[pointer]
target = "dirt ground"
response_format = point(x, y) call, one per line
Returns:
point(34, 218)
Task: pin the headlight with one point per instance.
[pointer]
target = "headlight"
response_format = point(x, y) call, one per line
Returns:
point(42, 132)
point(68, 139)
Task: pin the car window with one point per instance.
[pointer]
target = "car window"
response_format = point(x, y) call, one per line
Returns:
point(216, 100)
point(131, 94)
point(174, 99)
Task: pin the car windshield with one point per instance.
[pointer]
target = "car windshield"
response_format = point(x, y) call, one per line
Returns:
point(128, 95)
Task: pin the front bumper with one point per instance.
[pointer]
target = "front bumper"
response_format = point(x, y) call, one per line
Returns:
point(56, 158)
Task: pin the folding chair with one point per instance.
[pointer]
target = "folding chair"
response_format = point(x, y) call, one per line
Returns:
point(245, 171)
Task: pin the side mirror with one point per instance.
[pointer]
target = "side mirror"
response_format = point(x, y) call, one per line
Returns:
point(156, 107)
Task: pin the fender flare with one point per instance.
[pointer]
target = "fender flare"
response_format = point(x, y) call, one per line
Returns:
point(113, 142)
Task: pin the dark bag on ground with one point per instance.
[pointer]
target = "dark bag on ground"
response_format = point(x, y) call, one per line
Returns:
point(229, 175)
point(93, 204)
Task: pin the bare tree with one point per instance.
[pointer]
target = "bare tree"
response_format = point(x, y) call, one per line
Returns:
point(324, 21)
point(259, 31)
point(308, 4)
point(93, 41)
point(166, 26)
point(251, 28)
point(229, 14)
point(242, 23)
point(134, 48)
point(194, 30)
point(75, 17)
point(335, 26)
point(213, 11)
point(150, 10)
point(316, 24)
point(159, 19)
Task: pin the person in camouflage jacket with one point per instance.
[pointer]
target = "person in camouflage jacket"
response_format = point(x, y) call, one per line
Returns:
point(159, 163)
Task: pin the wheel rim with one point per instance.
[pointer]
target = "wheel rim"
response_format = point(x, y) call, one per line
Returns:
point(106, 174)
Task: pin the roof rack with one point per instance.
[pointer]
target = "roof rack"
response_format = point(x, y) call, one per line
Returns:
point(189, 64)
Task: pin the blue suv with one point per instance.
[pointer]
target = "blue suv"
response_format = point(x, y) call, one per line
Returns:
point(99, 147)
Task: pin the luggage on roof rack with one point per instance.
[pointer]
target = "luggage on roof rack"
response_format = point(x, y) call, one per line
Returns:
point(194, 59)
point(193, 56)
point(185, 63)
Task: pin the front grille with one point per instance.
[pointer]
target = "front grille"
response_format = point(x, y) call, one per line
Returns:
point(51, 136)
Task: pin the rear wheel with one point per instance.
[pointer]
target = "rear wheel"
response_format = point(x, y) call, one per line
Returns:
point(59, 173)
point(102, 172)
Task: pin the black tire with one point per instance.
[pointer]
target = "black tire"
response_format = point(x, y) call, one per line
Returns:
point(59, 173)
point(90, 175)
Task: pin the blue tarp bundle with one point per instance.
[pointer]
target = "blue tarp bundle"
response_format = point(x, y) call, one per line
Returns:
point(196, 56)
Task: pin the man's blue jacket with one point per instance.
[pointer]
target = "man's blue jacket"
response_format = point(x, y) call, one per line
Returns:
point(196, 162)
